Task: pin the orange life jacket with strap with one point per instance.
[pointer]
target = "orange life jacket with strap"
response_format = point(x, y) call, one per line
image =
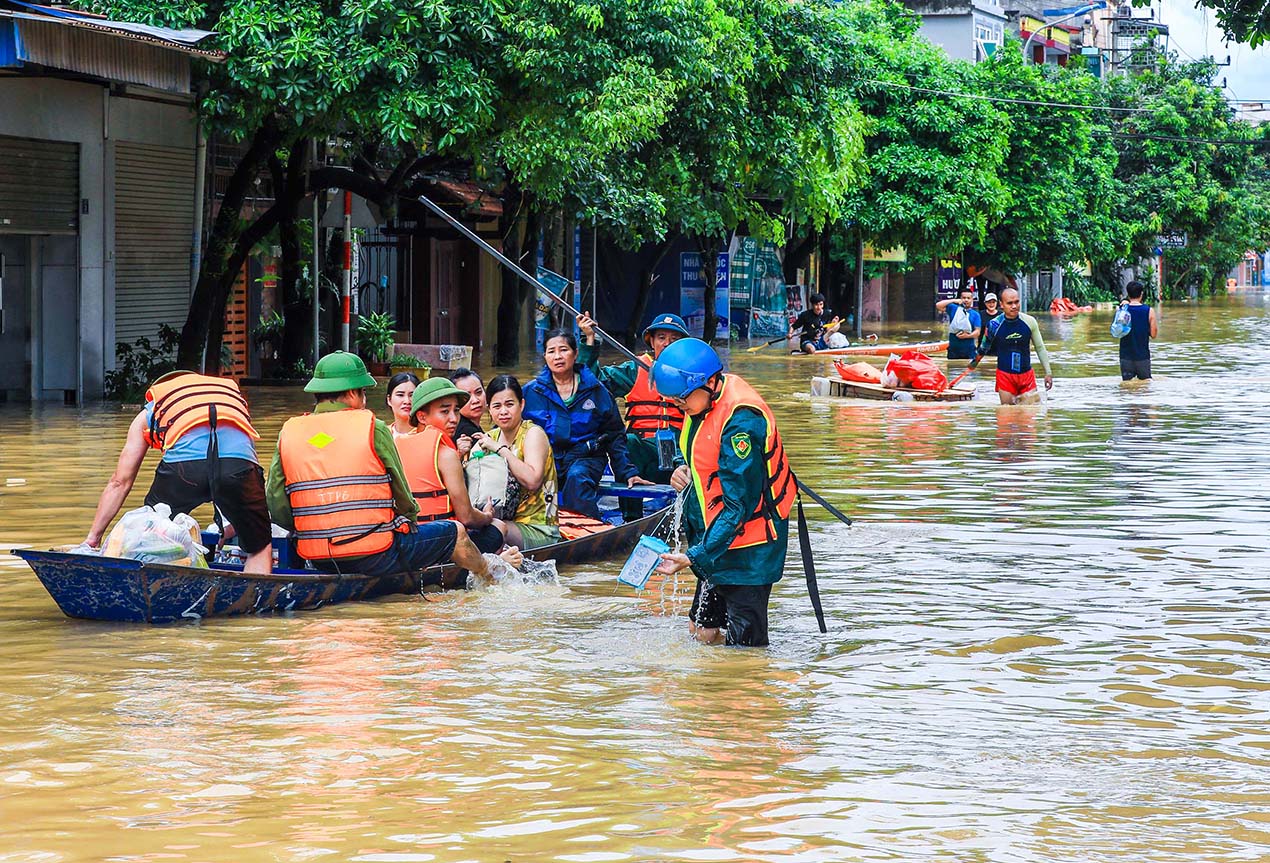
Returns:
point(339, 488)
point(421, 457)
point(702, 454)
point(185, 402)
point(646, 411)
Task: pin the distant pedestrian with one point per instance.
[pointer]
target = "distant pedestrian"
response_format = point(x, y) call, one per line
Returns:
point(963, 335)
point(1135, 347)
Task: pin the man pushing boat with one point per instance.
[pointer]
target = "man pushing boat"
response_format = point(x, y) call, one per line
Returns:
point(1013, 341)
point(203, 427)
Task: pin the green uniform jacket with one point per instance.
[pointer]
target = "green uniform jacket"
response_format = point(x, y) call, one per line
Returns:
point(403, 500)
point(618, 379)
point(742, 481)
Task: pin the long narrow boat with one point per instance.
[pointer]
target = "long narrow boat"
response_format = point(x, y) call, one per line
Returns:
point(877, 392)
point(878, 350)
point(92, 587)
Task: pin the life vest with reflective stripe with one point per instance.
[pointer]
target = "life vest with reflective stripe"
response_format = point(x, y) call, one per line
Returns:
point(185, 402)
point(646, 411)
point(702, 454)
point(421, 457)
point(339, 488)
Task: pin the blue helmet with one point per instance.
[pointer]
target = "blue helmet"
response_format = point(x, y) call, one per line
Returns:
point(673, 323)
point(685, 366)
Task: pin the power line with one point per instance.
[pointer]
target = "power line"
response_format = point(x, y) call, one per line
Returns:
point(1152, 137)
point(983, 98)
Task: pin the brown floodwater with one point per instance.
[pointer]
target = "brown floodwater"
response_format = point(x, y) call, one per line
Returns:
point(1048, 642)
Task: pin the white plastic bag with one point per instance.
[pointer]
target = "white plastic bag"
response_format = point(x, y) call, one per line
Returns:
point(1122, 323)
point(960, 322)
point(836, 340)
point(888, 377)
point(490, 482)
point(154, 536)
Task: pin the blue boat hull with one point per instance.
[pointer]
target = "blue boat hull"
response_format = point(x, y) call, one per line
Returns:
point(129, 591)
point(92, 587)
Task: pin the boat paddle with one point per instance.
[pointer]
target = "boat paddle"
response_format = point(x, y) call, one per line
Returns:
point(507, 262)
point(765, 344)
point(970, 368)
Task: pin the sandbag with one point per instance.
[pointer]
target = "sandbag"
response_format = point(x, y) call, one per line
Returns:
point(915, 370)
point(861, 372)
point(152, 535)
point(490, 482)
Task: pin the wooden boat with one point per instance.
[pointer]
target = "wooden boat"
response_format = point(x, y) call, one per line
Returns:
point(878, 350)
point(122, 590)
point(883, 350)
point(862, 390)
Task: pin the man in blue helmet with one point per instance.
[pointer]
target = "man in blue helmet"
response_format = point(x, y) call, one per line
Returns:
point(738, 515)
point(652, 420)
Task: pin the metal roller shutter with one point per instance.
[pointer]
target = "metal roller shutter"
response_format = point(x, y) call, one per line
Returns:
point(154, 221)
point(39, 186)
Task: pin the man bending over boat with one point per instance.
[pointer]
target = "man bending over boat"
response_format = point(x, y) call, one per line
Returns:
point(1014, 340)
point(203, 427)
point(337, 481)
point(743, 491)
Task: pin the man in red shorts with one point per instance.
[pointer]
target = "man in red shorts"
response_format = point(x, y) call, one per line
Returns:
point(1014, 340)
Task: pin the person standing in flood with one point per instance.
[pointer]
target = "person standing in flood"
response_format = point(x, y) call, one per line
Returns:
point(1135, 347)
point(1014, 340)
point(738, 515)
point(203, 427)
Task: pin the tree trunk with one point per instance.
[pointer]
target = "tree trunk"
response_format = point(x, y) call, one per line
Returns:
point(797, 255)
point(646, 278)
point(514, 229)
point(216, 276)
point(296, 310)
point(708, 248)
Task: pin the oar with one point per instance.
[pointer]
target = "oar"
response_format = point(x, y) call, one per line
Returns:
point(765, 344)
point(970, 368)
point(507, 262)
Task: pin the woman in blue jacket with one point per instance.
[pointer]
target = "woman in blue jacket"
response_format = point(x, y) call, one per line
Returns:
point(581, 420)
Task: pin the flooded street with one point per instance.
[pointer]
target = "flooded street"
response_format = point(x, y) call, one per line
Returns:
point(1048, 642)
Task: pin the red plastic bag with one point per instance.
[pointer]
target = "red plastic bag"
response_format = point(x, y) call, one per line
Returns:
point(914, 370)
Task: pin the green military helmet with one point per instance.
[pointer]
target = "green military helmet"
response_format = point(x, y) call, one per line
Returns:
point(339, 371)
point(435, 388)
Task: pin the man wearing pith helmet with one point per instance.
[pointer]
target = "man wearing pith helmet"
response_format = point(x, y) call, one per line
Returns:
point(648, 413)
point(337, 481)
point(742, 494)
point(203, 428)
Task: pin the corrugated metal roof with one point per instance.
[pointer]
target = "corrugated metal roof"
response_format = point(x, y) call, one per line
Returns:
point(182, 41)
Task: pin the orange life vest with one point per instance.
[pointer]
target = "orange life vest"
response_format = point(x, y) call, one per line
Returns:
point(646, 411)
point(185, 402)
point(421, 457)
point(340, 490)
point(703, 460)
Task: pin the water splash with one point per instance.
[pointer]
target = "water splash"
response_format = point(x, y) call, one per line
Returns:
point(531, 572)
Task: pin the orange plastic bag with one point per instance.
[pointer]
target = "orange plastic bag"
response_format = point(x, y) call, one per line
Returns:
point(861, 372)
point(914, 370)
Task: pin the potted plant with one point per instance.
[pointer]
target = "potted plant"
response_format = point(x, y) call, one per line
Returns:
point(376, 333)
point(268, 332)
point(409, 363)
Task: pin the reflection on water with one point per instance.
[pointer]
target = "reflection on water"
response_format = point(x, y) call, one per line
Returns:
point(1047, 643)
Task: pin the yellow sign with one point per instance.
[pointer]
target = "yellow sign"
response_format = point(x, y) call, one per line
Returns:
point(896, 255)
